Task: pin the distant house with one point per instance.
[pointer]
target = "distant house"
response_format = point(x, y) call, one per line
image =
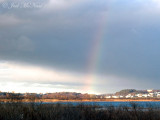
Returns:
point(108, 97)
point(115, 96)
point(121, 96)
point(139, 95)
point(128, 96)
point(158, 95)
point(149, 90)
point(145, 95)
point(151, 94)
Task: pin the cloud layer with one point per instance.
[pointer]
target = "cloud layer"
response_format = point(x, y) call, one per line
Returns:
point(61, 35)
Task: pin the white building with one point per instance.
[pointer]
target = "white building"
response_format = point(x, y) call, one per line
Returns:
point(151, 94)
point(149, 90)
point(139, 95)
point(121, 96)
point(108, 97)
point(115, 96)
point(145, 95)
point(158, 94)
point(129, 96)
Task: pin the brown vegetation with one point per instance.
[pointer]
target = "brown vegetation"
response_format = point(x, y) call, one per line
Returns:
point(40, 111)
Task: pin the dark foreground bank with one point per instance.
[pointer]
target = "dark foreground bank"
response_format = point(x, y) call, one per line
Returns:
point(34, 111)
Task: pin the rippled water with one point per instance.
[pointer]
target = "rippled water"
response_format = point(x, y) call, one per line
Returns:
point(116, 104)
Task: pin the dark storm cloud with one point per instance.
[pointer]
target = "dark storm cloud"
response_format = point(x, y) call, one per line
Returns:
point(58, 37)
point(132, 42)
point(62, 37)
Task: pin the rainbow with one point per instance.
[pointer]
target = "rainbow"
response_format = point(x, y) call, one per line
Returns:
point(94, 55)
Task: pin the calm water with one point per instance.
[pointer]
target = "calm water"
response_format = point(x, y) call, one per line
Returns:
point(116, 104)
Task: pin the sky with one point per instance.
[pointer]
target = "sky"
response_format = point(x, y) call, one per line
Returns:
point(87, 46)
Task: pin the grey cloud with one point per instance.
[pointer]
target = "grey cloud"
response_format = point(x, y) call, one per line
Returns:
point(48, 28)
point(62, 38)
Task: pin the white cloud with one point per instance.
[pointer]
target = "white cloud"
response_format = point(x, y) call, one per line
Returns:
point(37, 74)
point(27, 78)
point(38, 79)
point(24, 78)
point(23, 87)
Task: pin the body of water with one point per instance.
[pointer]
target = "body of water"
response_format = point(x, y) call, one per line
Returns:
point(116, 104)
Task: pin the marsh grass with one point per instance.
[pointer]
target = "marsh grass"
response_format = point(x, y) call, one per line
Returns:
point(41, 111)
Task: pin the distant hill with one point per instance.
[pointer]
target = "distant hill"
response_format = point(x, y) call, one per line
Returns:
point(80, 96)
point(131, 91)
point(126, 92)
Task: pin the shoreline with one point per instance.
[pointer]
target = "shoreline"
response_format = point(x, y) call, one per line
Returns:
point(108, 100)
point(92, 100)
